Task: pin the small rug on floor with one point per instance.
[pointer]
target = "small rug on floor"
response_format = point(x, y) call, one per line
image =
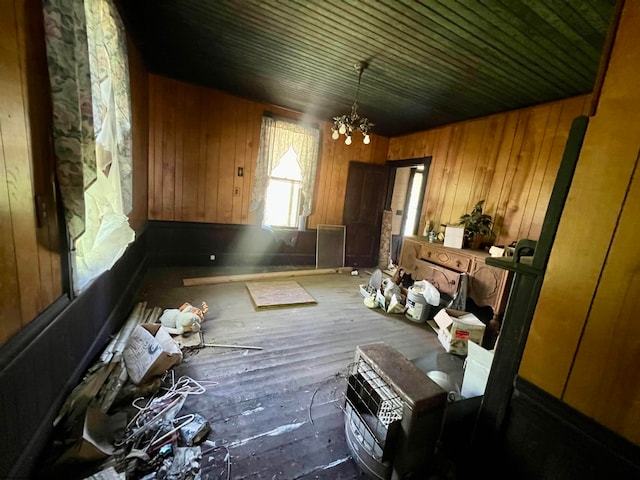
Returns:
point(278, 294)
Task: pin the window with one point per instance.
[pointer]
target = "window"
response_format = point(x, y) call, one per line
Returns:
point(285, 172)
point(282, 205)
point(87, 59)
point(108, 200)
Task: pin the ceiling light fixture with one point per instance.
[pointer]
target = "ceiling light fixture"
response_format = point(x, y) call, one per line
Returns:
point(347, 124)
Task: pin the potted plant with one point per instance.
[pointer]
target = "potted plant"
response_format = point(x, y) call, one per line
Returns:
point(477, 226)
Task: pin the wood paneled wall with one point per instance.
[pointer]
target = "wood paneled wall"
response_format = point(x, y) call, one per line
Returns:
point(510, 160)
point(30, 278)
point(198, 137)
point(584, 342)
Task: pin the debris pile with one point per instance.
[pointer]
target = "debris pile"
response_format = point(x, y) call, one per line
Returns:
point(160, 444)
point(383, 293)
point(115, 425)
point(108, 375)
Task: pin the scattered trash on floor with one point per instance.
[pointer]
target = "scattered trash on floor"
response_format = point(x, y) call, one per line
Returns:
point(125, 420)
point(159, 442)
point(108, 375)
point(108, 474)
point(185, 464)
point(383, 293)
point(195, 431)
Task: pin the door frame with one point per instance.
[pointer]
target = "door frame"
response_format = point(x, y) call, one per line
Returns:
point(392, 166)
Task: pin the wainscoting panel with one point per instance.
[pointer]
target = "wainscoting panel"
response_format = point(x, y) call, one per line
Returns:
point(193, 243)
point(545, 438)
point(46, 360)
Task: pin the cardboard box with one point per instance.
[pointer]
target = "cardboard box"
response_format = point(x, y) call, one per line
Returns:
point(477, 366)
point(455, 328)
point(96, 436)
point(453, 237)
point(150, 352)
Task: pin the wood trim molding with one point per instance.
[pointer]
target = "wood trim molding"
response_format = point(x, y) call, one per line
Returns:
point(606, 55)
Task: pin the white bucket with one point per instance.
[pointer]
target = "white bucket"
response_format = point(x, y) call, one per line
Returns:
point(417, 306)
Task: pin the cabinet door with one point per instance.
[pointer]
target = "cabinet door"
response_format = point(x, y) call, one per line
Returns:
point(487, 284)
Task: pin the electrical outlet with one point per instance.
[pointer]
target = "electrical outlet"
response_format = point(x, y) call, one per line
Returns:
point(212, 257)
point(236, 192)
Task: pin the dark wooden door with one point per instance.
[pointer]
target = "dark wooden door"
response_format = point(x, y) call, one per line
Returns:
point(362, 214)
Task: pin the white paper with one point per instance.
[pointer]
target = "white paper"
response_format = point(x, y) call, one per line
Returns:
point(453, 237)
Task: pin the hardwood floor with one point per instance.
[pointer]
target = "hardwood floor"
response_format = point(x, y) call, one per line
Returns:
point(277, 411)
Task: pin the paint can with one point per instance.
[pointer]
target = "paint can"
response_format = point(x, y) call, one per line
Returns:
point(417, 307)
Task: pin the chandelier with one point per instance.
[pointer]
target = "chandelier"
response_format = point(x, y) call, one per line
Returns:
point(347, 124)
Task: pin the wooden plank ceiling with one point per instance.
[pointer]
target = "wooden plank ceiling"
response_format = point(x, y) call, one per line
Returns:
point(430, 63)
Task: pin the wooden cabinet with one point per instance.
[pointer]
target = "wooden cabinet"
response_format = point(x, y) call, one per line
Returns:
point(488, 286)
point(409, 253)
point(445, 280)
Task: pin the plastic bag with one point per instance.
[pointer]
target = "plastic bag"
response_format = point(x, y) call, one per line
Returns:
point(430, 293)
point(390, 288)
point(370, 301)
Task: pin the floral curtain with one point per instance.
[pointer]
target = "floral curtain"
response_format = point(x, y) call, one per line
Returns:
point(276, 137)
point(86, 51)
point(107, 45)
point(73, 136)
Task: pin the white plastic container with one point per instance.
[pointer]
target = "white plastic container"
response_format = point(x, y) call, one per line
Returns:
point(417, 307)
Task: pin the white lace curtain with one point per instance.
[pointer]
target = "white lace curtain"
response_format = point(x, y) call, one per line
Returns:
point(276, 137)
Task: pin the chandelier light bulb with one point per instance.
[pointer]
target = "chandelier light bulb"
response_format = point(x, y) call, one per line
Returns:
point(352, 122)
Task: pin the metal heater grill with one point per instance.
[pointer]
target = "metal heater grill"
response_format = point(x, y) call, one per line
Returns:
point(372, 411)
point(383, 403)
point(392, 413)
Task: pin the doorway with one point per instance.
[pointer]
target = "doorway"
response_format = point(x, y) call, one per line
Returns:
point(405, 198)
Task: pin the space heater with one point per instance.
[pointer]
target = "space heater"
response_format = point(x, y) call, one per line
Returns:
point(393, 414)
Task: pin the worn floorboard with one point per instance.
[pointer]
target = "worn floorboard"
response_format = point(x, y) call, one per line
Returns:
point(277, 411)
